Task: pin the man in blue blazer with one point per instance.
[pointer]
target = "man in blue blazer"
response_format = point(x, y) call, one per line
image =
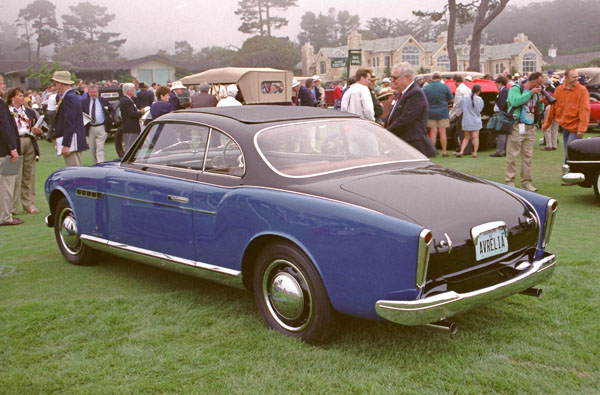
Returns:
point(9, 146)
point(69, 120)
point(100, 113)
point(408, 116)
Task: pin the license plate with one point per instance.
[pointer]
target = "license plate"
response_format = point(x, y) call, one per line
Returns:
point(489, 239)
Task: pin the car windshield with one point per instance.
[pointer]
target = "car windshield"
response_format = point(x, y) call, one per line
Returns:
point(313, 148)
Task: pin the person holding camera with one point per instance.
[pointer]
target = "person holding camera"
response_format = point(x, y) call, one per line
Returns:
point(571, 110)
point(524, 104)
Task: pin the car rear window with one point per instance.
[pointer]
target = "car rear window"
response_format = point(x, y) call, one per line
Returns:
point(319, 147)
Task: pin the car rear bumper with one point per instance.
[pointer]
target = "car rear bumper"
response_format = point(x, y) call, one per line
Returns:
point(447, 304)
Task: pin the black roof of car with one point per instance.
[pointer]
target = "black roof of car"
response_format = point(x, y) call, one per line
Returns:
point(265, 114)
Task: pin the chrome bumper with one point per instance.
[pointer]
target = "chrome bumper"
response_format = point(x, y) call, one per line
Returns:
point(567, 176)
point(447, 304)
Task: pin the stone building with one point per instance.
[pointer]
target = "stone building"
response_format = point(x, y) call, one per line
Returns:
point(381, 54)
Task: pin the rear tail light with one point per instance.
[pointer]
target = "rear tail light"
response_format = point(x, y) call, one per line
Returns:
point(425, 238)
point(551, 209)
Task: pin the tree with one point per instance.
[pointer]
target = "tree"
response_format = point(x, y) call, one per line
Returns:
point(327, 30)
point(183, 51)
point(85, 26)
point(317, 30)
point(256, 15)
point(38, 21)
point(344, 24)
point(11, 46)
point(482, 13)
point(276, 52)
point(214, 57)
point(44, 74)
point(385, 27)
point(487, 11)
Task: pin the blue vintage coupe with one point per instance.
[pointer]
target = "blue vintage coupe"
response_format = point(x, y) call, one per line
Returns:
point(316, 212)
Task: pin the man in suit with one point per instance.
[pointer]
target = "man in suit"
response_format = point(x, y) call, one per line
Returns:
point(99, 111)
point(69, 120)
point(9, 146)
point(131, 116)
point(204, 99)
point(145, 97)
point(409, 113)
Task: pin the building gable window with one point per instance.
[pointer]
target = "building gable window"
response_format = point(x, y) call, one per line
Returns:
point(498, 68)
point(410, 54)
point(322, 67)
point(529, 62)
point(387, 61)
point(443, 61)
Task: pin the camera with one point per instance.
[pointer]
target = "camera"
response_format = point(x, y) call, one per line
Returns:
point(549, 98)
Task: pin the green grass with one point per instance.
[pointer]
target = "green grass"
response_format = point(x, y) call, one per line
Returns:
point(122, 327)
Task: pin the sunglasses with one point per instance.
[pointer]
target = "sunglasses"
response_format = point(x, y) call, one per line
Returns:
point(394, 78)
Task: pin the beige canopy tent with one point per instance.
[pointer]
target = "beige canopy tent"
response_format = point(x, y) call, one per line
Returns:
point(259, 85)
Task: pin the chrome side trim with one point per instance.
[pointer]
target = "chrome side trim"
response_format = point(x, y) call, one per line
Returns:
point(551, 209)
point(583, 161)
point(423, 257)
point(180, 199)
point(199, 269)
point(447, 304)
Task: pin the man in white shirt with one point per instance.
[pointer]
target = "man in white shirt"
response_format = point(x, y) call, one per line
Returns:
point(357, 99)
point(51, 113)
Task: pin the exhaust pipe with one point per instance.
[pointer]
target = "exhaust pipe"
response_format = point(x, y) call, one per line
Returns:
point(537, 292)
point(445, 326)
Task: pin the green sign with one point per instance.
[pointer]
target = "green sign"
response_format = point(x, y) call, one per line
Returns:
point(355, 58)
point(338, 63)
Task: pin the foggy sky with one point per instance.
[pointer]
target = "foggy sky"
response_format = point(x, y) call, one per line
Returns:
point(150, 25)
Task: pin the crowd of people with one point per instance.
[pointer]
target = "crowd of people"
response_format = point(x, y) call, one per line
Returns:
point(417, 110)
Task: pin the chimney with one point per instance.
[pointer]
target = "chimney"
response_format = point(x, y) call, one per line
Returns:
point(521, 38)
point(308, 58)
point(354, 40)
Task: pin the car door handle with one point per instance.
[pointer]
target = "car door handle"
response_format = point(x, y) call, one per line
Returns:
point(179, 199)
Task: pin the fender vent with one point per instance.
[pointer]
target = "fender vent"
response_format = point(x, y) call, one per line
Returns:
point(89, 194)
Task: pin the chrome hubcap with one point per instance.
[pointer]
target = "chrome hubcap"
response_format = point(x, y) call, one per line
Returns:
point(287, 295)
point(68, 232)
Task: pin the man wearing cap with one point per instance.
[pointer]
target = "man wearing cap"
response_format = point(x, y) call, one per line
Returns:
point(177, 89)
point(9, 146)
point(304, 96)
point(230, 100)
point(357, 99)
point(317, 91)
point(386, 83)
point(68, 128)
point(571, 110)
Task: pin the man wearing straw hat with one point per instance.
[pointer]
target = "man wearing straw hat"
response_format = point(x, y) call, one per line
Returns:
point(69, 129)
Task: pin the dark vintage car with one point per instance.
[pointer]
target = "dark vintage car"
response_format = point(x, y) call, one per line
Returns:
point(583, 166)
point(316, 212)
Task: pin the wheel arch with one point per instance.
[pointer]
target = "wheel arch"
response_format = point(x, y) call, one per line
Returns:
point(261, 241)
point(56, 195)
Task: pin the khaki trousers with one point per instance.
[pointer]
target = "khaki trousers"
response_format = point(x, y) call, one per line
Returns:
point(25, 179)
point(74, 159)
point(96, 141)
point(519, 144)
point(7, 186)
point(551, 134)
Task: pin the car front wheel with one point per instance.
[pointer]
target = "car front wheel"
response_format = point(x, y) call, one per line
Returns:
point(66, 231)
point(291, 297)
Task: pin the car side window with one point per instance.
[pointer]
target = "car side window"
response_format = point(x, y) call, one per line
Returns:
point(223, 155)
point(174, 145)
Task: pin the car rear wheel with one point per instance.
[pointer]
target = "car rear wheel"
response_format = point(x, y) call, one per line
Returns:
point(291, 297)
point(66, 231)
point(597, 186)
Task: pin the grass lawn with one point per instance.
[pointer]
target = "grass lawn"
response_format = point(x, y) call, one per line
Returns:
point(122, 327)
